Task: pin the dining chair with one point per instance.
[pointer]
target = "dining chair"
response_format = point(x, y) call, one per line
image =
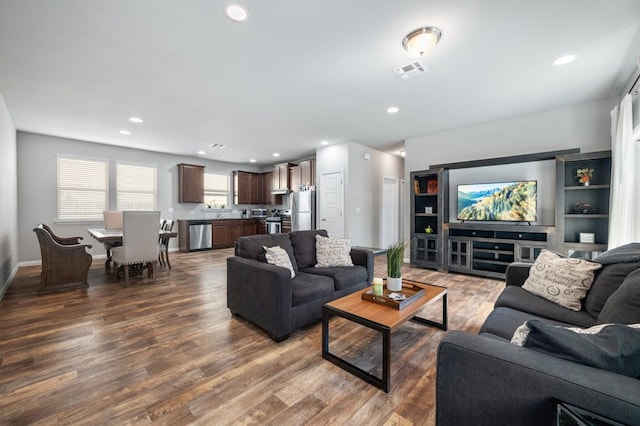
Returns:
point(65, 262)
point(163, 256)
point(139, 243)
point(112, 219)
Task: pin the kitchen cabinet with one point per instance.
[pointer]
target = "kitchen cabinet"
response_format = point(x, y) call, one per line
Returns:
point(308, 172)
point(261, 227)
point(265, 186)
point(286, 226)
point(190, 183)
point(280, 179)
point(302, 175)
point(295, 178)
point(226, 231)
point(245, 188)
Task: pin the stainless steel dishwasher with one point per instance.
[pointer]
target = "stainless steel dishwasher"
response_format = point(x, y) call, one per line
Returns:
point(200, 235)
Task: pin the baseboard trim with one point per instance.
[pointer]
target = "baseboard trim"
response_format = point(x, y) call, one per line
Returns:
point(7, 283)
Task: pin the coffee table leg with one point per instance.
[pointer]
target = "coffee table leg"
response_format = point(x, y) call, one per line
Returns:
point(441, 325)
point(386, 360)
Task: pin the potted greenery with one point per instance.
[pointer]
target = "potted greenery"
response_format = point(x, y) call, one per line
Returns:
point(395, 254)
point(584, 175)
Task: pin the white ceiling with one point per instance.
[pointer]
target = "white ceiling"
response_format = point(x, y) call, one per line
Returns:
point(298, 72)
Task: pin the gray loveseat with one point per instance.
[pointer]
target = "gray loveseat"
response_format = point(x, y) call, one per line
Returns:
point(266, 294)
point(483, 379)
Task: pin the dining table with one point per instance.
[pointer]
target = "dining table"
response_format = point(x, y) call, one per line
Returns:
point(113, 238)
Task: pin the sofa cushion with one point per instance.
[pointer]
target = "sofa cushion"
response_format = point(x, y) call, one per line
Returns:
point(307, 288)
point(252, 247)
point(278, 256)
point(343, 276)
point(520, 299)
point(621, 254)
point(564, 281)
point(623, 306)
point(503, 322)
point(605, 284)
point(332, 252)
point(613, 347)
point(304, 246)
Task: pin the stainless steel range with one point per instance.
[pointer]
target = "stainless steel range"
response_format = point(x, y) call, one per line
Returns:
point(274, 225)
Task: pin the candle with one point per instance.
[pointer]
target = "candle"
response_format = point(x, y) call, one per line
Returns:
point(377, 286)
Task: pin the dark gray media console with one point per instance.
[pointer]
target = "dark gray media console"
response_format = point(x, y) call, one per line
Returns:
point(487, 249)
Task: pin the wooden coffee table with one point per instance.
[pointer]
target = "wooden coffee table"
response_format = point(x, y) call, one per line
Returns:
point(381, 318)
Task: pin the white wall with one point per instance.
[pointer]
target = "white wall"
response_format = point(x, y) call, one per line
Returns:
point(585, 126)
point(362, 186)
point(9, 197)
point(36, 160)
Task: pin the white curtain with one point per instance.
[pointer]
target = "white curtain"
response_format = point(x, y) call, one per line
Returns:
point(623, 217)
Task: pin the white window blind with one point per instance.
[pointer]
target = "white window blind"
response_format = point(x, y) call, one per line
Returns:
point(216, 190)
point(83, 188)
point(136, 187)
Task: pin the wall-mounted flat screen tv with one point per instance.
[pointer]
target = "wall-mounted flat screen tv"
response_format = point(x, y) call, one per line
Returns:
point(500, 201)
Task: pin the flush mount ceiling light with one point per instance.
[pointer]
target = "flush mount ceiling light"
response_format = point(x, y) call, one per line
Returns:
point(135, 120)
point(421, 41)
point(125, 132)
point(275, 154)
point(201, 153)
point(393, 109)
point(324, 143)
point(237, 12)
point(253, 160)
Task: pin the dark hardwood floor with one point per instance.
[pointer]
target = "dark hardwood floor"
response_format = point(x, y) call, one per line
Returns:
point(170, 353)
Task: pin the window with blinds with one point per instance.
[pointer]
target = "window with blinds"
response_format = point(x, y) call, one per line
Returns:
point(135, 187)
point(216, 190)
point(83, 188)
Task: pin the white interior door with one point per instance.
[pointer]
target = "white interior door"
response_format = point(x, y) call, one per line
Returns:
point(390, 223)
point(331, 203)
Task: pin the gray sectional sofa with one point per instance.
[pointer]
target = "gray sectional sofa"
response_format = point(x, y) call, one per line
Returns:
point(266, 294)
point(484, 379)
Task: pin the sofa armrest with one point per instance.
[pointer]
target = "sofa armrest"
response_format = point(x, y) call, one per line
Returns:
point(517, 273)
point(261, 293)
point(483, 380)
point(363, 258)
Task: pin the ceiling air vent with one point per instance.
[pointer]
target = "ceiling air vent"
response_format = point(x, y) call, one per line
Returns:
point(410, 70)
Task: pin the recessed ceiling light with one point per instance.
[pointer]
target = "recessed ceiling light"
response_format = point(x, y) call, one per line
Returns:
point(217, 146)
point(125, 132)
point(201, 152)
point(136, 120)
point(275, 154)
point(253, 160)
point(324, 143)
point(393, 110)
point(564, 60)
point(402, 153)
point(237, 12)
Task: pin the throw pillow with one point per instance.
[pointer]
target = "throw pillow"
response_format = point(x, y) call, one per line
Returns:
point(607, 280)
point(331, 252)
point(613, 347)
point(623, 306)
point(564, 281)
point(278, 256)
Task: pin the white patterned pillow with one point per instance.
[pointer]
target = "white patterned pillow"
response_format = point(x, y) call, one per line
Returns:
point(564, 281)
point(278, 256)
point(332, 252)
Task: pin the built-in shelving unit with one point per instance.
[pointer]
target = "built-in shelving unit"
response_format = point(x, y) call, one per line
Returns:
point(583, 210)
point(479, 248)
point(429, 211)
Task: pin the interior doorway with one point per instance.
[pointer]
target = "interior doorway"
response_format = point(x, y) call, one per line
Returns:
point(331, 203)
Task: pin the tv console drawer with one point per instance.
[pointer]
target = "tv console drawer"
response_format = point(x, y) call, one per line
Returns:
point(474, 233)
point(529, 236)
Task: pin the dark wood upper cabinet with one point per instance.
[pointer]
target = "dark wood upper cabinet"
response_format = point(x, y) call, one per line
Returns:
point(246, 188)
point(190, 183)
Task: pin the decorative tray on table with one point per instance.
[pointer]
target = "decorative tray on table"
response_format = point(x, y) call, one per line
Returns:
point(395, 299)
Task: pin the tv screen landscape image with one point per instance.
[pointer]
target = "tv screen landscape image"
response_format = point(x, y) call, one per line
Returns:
point(501, 201)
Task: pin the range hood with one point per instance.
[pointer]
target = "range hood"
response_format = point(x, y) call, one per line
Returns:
point(281, 191)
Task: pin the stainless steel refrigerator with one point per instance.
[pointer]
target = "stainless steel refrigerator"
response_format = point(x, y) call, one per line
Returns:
point(303, 210)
